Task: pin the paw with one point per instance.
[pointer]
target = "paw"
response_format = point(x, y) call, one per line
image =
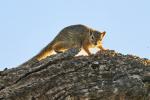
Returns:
point(104, 49)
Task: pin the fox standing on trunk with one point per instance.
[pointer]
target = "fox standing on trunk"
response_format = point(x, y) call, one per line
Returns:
point(74, 36)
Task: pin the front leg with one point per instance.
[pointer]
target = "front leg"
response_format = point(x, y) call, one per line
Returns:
point(101, 47)
point(86, 49)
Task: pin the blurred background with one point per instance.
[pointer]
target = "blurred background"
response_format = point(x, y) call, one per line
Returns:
point(26, 26)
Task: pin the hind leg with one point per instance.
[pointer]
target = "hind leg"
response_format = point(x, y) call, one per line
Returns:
point(60, 47)
point(101, 47)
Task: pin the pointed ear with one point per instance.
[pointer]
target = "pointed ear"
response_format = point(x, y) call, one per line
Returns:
point(103, 34)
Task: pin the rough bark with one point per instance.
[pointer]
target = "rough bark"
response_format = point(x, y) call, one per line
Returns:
point(106, 75)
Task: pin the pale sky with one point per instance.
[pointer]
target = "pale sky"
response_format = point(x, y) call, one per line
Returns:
point(26, 26)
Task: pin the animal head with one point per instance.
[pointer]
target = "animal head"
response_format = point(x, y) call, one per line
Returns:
point(96, 36)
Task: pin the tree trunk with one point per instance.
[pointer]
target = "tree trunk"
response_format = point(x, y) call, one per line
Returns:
point(107, 75)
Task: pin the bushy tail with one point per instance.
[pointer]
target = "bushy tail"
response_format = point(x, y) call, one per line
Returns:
point(41, 55)
point(44, 53)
